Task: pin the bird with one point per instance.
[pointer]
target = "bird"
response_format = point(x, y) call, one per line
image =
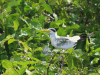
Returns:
point(63, 42)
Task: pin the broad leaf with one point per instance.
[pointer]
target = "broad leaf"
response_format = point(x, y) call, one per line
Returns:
point(11, 41)
point(22, 70)
point(47, 8)
point(16, 24)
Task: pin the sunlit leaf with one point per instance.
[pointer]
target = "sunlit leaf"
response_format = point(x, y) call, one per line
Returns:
point(61, 32)
point(40, 1)
point(25, 46)
point(7, 64)
point(1, 17)
point(22, 70)
point(47, 8)
point(52, 2)
point(51, 73)
point(93, 73)
point(76, 26)
point(6, 39)
point(38, 49)
point(87, 45)
point(71, 33)
point(3, 1)
point(95, 60)
point(58, 22)
point(10, 71)
point(27, 8)
point(16, 24)
point(27, 30)
point(11, 41)
point(70, 50)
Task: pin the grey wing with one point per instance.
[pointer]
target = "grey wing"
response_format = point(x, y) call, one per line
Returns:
point(63, 41)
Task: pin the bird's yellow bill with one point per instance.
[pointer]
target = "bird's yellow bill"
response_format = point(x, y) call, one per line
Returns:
point(47, 30)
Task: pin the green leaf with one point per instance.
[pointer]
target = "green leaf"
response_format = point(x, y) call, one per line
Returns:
point(55, 24)
point(16, 24)
point(77, 62)
point(14, 3)
point(84, 55)
point(40, 1)
point(35, 23)
point(70, 50)
point(38, 49)
point(17, 57)
point(73, 27)
point(71, 33)
point(61, 32)
point(25, 21)
point(87, 45)
point(76, 26)
point(51, 73)
point(97, 50)
point(26, 29)
point(27, 8)
point(7, 64)
point(4, 40)
point(22, 70)
point(75, 17)
point(42, 19)
point(94, 73)
point(52, 2)
point(25, 46)
point(70, 61)
point(36, 6)
point(8, 9)
point(95, 60)
point(76, 2)
point(47, 8)
point(10, 71)
point(11, 41)
point(31, 68)
point(1, 17)
point(2, 1)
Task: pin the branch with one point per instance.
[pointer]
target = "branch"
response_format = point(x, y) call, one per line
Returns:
point(49, 65)
point(47, 15)
point(90, 34)
point(62, 65)
point(86, 36)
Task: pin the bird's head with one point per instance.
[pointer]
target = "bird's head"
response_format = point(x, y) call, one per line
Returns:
point(52, 30)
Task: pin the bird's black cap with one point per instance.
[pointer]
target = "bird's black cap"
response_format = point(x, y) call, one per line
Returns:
point(54, 29)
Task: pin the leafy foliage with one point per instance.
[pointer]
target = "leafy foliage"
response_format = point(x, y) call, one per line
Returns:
point(25, 50)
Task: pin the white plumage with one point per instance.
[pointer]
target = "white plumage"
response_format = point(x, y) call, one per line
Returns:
point(61, 41)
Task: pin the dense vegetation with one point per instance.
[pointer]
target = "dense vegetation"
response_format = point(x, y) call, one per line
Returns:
point(25, 50)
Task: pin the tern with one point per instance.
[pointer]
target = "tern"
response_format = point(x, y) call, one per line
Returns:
point(62, 42)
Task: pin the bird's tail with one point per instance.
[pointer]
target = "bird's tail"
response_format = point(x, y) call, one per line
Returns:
point(83, 37)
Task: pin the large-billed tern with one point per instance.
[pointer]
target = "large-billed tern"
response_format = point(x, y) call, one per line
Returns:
point(61, 41)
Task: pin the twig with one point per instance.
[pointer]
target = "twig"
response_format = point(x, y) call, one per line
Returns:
point(82, 39)
point(18, 41)
point(86, 22)
point(62, 65)
point(47, 15)
point(49, 65)
point(90, 34)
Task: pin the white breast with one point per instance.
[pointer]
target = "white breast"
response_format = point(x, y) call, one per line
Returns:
point(71, 42)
